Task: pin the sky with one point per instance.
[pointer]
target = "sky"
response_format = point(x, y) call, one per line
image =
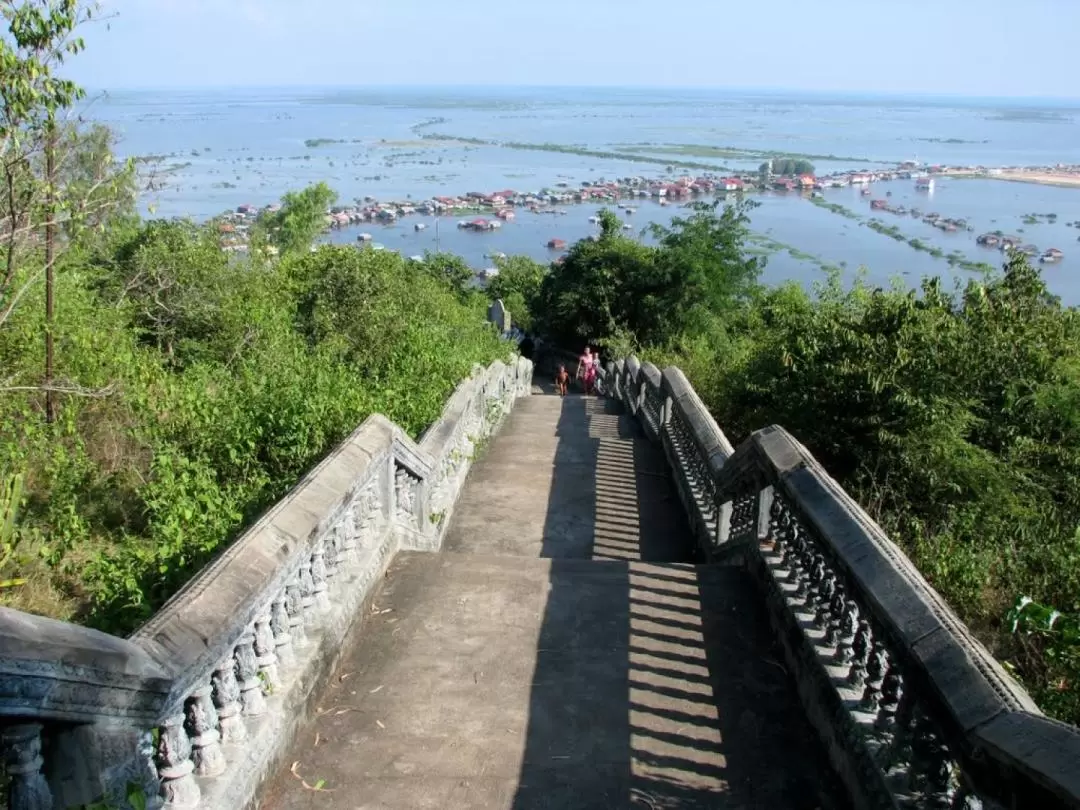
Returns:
point(997, 48)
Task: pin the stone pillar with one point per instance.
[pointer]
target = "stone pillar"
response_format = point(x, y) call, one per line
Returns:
point(500, 316)
point(27, 789)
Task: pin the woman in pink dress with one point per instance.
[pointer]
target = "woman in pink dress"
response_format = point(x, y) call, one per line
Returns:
point(586, 370)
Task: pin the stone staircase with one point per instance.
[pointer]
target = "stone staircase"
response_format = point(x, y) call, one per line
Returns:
point(562, 651)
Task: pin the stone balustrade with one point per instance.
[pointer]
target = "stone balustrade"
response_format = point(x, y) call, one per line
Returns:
point(912, 709)
point(198, 707)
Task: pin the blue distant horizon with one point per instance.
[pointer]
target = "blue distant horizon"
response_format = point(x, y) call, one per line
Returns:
point(494, 89)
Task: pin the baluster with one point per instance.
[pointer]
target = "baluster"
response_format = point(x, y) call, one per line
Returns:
point(875, 673)
point(307, 590)
point(247, 672)
point(280, 624)
point(201, 725)
point(822, 615)
point(226, 696)
point(27, 788)
point(891, 688)
point(894, 758)
point(930, 773)
point(860, 649)
point(780, 530)
point(265, 650)
point(333, 537)
point(319, 597)
point(178, 787)
point(803, 560)
point(848, 627)
point(349, 532)
point(146, 774)
point(835, 614)
point(406, 496)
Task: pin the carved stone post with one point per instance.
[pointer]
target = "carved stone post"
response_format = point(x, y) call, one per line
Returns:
point(27, 789)
point(247, 672)
point(330, 549)
point(294, 604)
point(227, 701)
point(348, 532)
point(265, 651)
point(202, 727)
point(320, 598)
point(279, 623)
point(178, 787)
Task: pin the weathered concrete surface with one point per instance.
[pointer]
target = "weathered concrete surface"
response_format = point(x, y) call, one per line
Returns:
point(501, 682)
point(488, 677)
point(570, 478)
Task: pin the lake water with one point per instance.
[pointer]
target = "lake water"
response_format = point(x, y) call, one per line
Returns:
point(220, 149)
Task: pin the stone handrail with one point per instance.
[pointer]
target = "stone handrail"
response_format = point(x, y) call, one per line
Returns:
point(913, 710)
point(197, 708)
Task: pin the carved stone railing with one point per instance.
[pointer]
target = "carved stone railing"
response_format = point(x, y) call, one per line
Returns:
point(198, 707)
point(912, 709)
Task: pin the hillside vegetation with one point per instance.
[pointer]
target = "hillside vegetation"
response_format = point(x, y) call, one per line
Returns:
point(158, 392)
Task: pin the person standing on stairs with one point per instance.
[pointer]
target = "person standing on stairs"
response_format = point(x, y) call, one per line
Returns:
point(562, 379)
point(586, 370)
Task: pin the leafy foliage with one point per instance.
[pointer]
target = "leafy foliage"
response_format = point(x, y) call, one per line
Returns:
point(224, 380)
point(615, 288)
point(1051, 643)
point(301, 218)
point(787, 167)
point(518, 284)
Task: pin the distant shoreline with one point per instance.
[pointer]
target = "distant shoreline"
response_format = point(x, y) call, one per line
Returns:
point(1035, 177)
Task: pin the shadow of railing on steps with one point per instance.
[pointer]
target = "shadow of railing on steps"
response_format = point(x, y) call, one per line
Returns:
point(646, 691)
point(912, 709)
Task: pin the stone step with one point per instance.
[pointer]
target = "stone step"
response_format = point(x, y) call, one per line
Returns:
point(570, 478)
point(489, 681)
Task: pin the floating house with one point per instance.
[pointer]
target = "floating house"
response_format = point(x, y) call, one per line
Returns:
point(556, 244)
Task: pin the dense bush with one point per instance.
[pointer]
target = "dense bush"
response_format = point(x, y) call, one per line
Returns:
point(206, 388)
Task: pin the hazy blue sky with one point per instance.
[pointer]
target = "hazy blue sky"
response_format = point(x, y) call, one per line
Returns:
point(958, 47)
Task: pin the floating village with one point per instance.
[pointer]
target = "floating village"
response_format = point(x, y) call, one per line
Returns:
point(488, 211)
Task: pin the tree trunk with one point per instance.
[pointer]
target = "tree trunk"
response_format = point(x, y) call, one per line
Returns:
point(50, 252)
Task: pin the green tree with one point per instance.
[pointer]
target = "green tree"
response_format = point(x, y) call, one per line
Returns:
point(518, 285)
point(302, 217)
point(603, 287)
point(169, 277)
point(451, 270)
point(787, 167)
point(40, 37)
point(614, 288)
point(703, 265)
